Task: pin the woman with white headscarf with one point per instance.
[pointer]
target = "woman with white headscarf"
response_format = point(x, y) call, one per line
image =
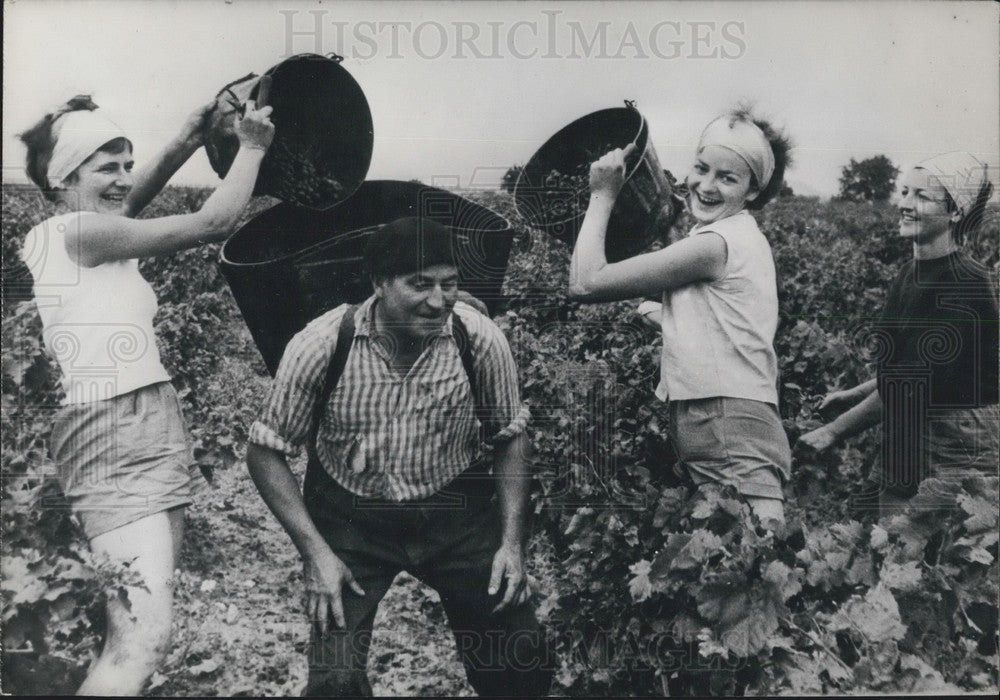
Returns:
point(936, 389)
point(119, 442)
point(719, 314)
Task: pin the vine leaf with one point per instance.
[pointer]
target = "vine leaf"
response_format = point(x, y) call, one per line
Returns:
point(19, 579)
point(901, 576)
point(639, 586)
point(751, 633)
point(982, 513)
point(787, 581)
point(698, 549)
point(876, 616)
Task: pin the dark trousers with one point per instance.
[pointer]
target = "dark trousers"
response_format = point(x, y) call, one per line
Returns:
point(446, 541)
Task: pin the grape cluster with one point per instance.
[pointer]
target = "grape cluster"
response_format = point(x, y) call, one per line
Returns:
point(293, 174)
point(566, 194)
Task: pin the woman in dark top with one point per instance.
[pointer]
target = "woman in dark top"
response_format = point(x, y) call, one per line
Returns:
point(935, 393)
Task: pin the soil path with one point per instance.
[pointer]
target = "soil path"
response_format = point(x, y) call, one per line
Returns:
point(240, 630)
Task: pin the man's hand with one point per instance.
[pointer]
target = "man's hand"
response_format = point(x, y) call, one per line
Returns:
point(325, 575)
point(818, 441)
point(508, 563)
point(324, 572)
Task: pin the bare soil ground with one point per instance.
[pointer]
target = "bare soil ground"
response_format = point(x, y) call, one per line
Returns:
point(240, 629)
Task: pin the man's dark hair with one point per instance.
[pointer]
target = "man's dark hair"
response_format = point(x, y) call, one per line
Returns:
point(407, 245)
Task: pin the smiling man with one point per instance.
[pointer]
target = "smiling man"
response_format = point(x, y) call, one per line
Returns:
point(391, 399)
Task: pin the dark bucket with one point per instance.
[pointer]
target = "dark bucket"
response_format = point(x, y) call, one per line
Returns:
point(288, 265)
point(323, 135)
point(552, 190)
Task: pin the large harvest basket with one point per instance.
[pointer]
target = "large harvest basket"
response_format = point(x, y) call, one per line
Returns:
point(323, 136)
point(290, 264)
point(552, 190)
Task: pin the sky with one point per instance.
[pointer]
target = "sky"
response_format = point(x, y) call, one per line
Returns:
point(460, 91)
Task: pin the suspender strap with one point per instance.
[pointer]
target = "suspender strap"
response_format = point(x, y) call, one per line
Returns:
point(461, 334)
point(345, 338)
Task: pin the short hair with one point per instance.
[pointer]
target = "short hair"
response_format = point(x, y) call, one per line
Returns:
point(407, 245)
point(972, 219)
point(40, 143)
point(781, 147)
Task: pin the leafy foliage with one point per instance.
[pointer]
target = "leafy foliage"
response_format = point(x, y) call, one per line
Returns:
point(714, 604)
point(675, 591)
point(656, 588)
point(53, 589)
point(868, 180)
point(509, 179)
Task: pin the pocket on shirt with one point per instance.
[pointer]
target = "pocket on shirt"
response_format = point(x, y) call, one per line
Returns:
point(348, 456)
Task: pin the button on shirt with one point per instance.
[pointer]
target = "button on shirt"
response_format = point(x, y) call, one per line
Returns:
point(383, 434)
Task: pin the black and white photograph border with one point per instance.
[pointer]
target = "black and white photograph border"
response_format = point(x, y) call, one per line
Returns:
point(645, 579)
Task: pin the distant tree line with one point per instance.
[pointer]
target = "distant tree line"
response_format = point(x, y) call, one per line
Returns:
point(869, 180)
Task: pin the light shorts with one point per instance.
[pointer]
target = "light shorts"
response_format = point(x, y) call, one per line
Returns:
point(739, 442)
point(124, 458)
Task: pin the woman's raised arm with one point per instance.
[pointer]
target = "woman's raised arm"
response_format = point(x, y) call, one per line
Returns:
point(593, 279)
point(101, 238)
point(153, 177)
point(696, 258)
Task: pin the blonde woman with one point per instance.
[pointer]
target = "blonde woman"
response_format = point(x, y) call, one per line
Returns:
point(719, 308)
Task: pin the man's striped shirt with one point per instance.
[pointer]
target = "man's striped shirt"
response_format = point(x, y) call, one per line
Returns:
point(382, 434)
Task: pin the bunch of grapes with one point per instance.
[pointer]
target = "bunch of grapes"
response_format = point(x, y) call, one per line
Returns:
point(567, 194)
point(291, 174)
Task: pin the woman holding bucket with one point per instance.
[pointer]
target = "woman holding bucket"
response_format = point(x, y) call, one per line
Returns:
point(936, 391)
point(720, 307)
point(119, 442)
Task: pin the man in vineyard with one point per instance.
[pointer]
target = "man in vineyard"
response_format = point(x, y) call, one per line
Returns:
point(386, 397)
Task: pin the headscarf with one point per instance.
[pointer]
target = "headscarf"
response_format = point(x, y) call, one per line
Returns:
point(961, 174)
point(746, 140)
point(78, 134)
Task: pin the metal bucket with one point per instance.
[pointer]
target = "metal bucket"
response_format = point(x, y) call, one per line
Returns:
point(323, 131)
point(552, 190)
point(289, 264)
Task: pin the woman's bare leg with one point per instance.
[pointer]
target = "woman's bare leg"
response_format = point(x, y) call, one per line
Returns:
point(138, 635)
point(767, 509)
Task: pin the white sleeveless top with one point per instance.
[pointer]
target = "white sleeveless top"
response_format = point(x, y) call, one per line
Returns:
point(97, 321)
point(718, 337)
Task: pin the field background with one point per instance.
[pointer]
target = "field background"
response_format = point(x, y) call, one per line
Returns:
point(645, 590)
